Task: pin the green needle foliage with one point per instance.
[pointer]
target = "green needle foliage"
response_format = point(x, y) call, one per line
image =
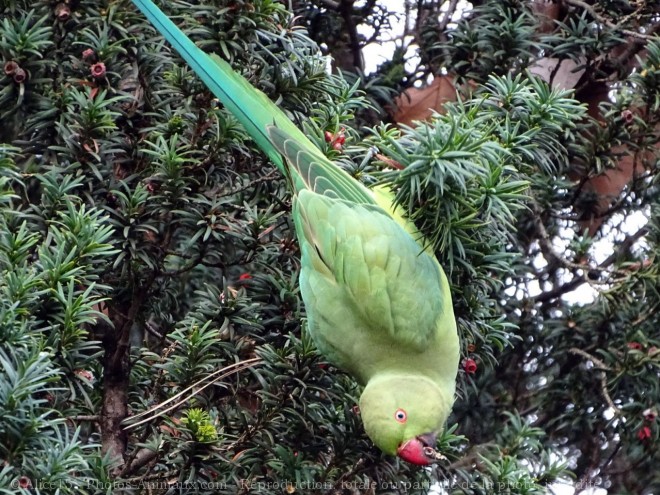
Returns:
point(148, 261)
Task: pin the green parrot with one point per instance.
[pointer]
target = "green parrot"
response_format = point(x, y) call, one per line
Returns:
point(378, 303)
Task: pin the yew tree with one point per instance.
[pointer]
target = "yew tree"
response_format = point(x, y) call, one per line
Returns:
point(148, 262)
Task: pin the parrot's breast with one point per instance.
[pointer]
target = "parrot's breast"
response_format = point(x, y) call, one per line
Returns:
point(374, 298)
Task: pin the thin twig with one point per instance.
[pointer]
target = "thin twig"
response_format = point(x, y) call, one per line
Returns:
point(602, 377)
point(213, 378)
point(580, 279)
point(83, 417)
point(451, 8)
point(266, 178)
point(601, 365)
point(607, 22)
point(345, 9)
point(149, 327)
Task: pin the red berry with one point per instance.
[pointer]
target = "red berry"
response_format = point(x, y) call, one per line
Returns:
point(627, 116)
point(644, 433)
point(62, 12)
point(328, 136)
point(470, 366)
point(85, 374)
point(650, 415)
point(89, 55)
point(10, 67)
point(336, 146)
point(20, 75)
point(635, 346)
point(98, 70)
point(244, 276)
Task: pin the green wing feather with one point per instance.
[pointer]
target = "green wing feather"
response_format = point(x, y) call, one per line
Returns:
point(363, 260)
point(313, 170)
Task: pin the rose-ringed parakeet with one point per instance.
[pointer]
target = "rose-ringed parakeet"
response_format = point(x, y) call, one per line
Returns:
point(377, 301)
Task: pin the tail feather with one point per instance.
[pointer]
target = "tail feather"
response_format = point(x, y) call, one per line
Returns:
point(271, 129)
point(251, 107)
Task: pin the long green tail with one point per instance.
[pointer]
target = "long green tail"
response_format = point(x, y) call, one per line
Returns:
point(269, 126)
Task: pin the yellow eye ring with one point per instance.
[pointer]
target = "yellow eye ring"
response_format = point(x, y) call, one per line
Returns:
point(401, 416)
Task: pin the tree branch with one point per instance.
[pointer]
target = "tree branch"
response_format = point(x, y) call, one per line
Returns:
point(580, 279)
point(451, 8)
point(345, 9)
point(592, 11)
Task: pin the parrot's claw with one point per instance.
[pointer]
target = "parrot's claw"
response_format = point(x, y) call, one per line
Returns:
point(431, 453)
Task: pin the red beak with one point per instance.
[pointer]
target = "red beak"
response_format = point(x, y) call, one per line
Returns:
point(415, 450)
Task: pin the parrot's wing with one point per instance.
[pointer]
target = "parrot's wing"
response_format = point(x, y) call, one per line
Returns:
point(310, 169)
point(360, 252)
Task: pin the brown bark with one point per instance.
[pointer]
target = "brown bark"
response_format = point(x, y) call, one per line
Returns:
point(116, 373)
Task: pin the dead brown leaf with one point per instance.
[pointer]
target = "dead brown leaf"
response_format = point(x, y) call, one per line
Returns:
point(416, 104)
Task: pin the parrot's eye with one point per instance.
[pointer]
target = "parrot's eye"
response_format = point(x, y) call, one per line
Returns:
point(400, 415)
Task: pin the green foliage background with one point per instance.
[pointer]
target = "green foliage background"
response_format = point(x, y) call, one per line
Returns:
point(145, 245)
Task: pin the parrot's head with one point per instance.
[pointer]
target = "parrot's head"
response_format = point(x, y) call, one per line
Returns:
point(403, 415)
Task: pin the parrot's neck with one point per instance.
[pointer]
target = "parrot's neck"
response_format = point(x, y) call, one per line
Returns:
point(402, 383)
point(428, 365)
point(396, 379)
